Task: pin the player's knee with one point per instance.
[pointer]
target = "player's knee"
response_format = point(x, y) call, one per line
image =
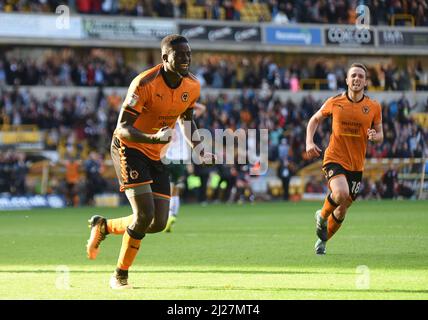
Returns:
point(340, 196)
point(158, 227)
point(340, 212)
point(159, 224)
point(145, 215)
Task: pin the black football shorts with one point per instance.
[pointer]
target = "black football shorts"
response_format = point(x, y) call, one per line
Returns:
point(354, 178)
point(133, 168)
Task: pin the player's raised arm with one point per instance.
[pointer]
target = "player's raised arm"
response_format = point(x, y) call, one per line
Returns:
point(312, 150)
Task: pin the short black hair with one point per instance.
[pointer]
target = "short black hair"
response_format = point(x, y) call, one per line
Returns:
point(359, 65)
point(171, 40)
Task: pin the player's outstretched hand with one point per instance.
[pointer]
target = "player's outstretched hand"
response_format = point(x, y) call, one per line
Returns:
point(312, 151)
point(163, 136)
point(371, 133)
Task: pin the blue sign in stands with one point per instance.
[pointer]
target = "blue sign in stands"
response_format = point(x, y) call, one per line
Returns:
point(293, 36)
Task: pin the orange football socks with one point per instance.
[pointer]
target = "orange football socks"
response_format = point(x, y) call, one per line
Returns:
point(333, 225)
point(129, 249)
point(328, 207)
point(119, 225)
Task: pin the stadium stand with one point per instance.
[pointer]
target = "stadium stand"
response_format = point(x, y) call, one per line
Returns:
point(74, 126)
point(59, 99)
point(389, 12)
point(107, 67)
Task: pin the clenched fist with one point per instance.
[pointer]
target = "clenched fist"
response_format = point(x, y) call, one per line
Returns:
point(371, 133)
point(312, 151)
point(163, 136)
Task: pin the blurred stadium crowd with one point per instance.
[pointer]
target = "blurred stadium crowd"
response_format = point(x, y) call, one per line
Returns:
point(281, 11)
point(81, 130)
point(104, 67)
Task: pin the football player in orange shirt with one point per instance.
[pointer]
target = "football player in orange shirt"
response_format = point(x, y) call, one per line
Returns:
point(356, 119)
point(156, 99)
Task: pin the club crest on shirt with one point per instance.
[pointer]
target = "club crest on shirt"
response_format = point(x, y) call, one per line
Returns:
point(132, 100)
point(185, 96)
point(133, 174)
point(365, 109)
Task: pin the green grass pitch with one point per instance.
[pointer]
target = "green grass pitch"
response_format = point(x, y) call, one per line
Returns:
point(261, 251)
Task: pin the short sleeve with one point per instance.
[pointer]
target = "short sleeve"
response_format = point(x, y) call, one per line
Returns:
point(197, 93)
point(326, 108)
point(378, 115)
point(136, 97)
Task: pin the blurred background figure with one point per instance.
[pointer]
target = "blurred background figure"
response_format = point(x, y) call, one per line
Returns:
point(95, 182)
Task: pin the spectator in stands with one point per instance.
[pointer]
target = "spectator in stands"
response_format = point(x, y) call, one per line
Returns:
point(164, 8)
point(212, 10)
point(2, 74)
point(95, 183)
point(374, 78)
point(421, 15)
point(103, 67)
point(421, 77)
point(309, 11)
point(403, 82)
point(203, 172)
point(378, 13)
point(280, 18)
point(225, 171)
point(332, 80)
point(390, 181)
point(182, 9)
point(389, 73)
point(20, 170)
point(395, 8)
point(404, 189)
point(13, 173)
point(242, 190)
point(72, 177)
point(285, 173)
point(229, 11)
